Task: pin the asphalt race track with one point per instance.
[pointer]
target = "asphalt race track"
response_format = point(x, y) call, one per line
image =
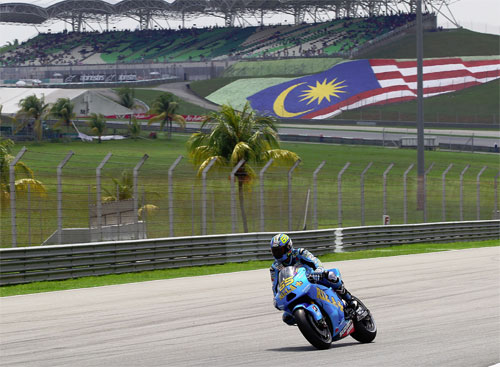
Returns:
point(436, 309)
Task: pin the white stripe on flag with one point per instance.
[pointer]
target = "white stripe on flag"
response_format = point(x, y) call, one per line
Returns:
point(435, 82)
point(433, 69)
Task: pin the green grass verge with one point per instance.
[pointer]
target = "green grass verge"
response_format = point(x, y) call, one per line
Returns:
point(292, 67)
point(37, 219)
point(185, 108)
point(204, 88)
point(103, 280)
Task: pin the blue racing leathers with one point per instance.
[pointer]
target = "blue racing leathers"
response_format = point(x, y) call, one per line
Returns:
point(311, 263)
point(299, 256)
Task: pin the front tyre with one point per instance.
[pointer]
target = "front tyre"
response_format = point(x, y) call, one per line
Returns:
point(318, 334)
point(365, 330)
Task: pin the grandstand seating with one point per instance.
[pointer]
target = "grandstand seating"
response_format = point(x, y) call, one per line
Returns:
point(329, 38)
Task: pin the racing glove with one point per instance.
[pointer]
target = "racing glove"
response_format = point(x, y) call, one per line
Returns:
point(330, 275)
point(317, 274)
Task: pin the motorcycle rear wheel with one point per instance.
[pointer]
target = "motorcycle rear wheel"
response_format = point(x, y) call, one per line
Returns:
point(365, 330)
point(320, 338)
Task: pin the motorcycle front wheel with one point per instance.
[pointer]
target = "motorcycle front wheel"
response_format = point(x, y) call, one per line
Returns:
point(318, 335)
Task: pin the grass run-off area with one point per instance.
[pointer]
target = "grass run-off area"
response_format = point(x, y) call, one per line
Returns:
point(103, 280)
point(37, 217)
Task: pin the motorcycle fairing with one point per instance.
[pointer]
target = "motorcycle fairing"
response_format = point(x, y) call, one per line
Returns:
point(331, 304)
point(312, 309)
point(293, 283)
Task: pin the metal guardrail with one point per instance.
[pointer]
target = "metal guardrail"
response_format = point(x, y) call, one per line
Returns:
point(31, 264)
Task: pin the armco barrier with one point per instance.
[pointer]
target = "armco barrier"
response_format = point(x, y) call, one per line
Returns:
point(30, 264)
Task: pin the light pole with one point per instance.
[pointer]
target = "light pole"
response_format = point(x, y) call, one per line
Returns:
point(420, 109)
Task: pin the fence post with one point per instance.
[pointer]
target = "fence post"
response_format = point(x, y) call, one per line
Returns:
point(233, 195)
point(425, 191)
point(204, 197)
point(29, 214)
point(59, 195)
point(339, 191)
point(444, 190)
point(405, 194)
point(171, 195)
point(478, 185)
point(462, 191)
point(495, 205)
point(290, 193)
point(12, 178)
point(386, 172)
point(136, 192)
point(98, 188)
point(315, 200)
point(261, 178)
point(362, 184)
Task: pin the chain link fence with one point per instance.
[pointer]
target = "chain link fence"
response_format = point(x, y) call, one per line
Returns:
point(166, 197)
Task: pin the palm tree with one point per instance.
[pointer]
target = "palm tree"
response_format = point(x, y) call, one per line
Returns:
point(123, 188)
point(127, 99)
point(235, 136)
point(34, 108)
point(63, 111)
point(21, 184)
point(166, 107)
point(135, 129)
point(97, 124)
point(126, 96)
point(5, 118)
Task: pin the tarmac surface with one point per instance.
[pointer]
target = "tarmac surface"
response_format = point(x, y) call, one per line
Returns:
point(434, 309)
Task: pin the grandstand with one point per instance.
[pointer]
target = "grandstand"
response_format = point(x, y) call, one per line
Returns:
point(333, 27)
point(337, 37)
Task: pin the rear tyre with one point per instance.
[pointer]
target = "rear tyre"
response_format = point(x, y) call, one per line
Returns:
point(365, 330)
point(317, 334)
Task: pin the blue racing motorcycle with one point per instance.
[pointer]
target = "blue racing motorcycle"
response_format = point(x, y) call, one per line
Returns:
point(319, 312)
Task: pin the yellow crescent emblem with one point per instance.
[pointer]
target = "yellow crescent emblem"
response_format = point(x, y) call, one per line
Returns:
point(279, 103)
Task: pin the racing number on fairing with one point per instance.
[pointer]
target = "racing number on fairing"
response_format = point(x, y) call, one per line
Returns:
point(286, 282)
point(322, 295)
point(287, 286)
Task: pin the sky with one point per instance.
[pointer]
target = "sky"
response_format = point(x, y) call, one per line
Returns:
point(478, 15)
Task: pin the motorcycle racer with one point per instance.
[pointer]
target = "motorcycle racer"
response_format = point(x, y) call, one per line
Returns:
point(285, 255)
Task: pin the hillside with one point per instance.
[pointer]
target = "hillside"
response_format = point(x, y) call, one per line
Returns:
point(448, 43)
point(479, 104)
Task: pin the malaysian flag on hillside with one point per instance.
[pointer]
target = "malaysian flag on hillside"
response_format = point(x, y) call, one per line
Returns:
point(362, 83)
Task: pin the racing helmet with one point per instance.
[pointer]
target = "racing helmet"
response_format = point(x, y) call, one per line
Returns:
point(281, 247)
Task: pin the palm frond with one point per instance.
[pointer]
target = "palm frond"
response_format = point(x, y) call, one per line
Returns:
point(179, 119)
point(241, 151)
point(281, 156)
point(21, 168)
point(219, 163)
point(35, 186)
point(161, 117)
point(147, 211)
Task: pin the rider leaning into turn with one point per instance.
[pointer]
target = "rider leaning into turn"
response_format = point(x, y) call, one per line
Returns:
point(286, 255)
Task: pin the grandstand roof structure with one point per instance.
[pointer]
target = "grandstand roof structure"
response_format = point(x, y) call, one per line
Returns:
point(78, 12)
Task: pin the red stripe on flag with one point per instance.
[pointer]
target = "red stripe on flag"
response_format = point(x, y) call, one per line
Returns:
point(413, 63)
point(433, 62)
point(473, 63)
point(438, 75)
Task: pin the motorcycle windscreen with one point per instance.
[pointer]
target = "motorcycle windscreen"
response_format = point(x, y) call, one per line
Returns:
point(288, 272)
